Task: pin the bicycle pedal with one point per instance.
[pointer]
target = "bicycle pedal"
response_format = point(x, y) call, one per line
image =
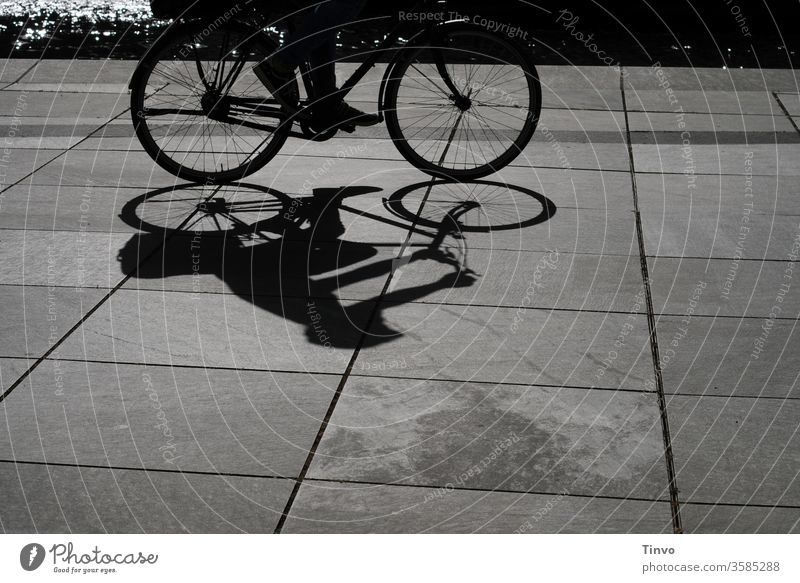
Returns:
point(349, 128)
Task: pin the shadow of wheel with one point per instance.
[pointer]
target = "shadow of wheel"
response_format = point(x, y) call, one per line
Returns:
point(225, 210)
point(486, 205)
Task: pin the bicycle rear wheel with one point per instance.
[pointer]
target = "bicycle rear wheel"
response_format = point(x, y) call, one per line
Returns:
point(199, 110)
point(464, 104)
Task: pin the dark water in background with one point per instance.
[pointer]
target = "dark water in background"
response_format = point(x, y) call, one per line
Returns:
point(705, 33)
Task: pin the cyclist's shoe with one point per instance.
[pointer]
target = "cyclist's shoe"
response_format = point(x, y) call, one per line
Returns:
point(342, 116)
point(280, 80)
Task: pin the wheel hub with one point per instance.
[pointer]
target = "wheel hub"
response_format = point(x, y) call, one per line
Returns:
point(462, 102)
point(214, 106)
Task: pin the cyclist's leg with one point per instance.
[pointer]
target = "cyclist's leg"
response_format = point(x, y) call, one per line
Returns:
point(316, 37)
point(318, 31)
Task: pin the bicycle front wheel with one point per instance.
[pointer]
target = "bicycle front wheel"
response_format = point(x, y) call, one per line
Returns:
point(464, 104)
point(198, 108)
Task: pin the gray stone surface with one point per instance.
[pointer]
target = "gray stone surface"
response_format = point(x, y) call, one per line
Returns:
point(767, 160)
point(221, 330)
point(66, 208)
point(36, 317)
point(719, 356)
point(737, 450)
point(10, 371)
point(711, 101)
point(62, 104)
point(791, 101)
point(713, 519)
point(721, 287)
point(710, 194)
point(187, 419)
point(569, 230)
point(539, 279)
point(245, 347)
point(713, 122)
point(701, 79)
point(682, 232)
point(66, 259)
point(475, 436)
point(56, 499)
point(21, 163)
point(324, 507)
point(539, 347)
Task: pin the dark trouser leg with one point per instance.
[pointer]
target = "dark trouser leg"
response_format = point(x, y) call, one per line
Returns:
point(316, 37)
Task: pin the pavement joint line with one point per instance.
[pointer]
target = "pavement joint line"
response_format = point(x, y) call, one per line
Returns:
point(651, 324)
point(18, 79)
point(401, 378)
point(385, 484)
point(139, 469)
point(399, 302)
point(487, 490)
point(69, 149)
point(63, 152)
point(785, 111)
point(346, 376)
point(96, 307)
point(332, 374)
point(544, 493)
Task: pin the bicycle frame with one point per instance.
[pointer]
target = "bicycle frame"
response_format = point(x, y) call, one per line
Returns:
point(388, 44)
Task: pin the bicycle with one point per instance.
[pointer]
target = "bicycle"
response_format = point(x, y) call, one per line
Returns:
point(458, 101)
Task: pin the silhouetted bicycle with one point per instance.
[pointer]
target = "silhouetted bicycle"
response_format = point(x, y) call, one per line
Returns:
point(458, 100)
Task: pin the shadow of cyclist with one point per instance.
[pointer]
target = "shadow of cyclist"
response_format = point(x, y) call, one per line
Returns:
point(292, 263)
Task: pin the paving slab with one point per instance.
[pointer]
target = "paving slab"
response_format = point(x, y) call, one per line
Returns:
point(683, 231)
point(94, 71)
point(791, 101)
point(719, 356)
point(524, 439)
point(766, 160)
point(36, 317)
point(10, 371)
point(595, 98)
point(66, 208)
point(736, 450)
point(168, 418)
point(713, 79)
point(710, 101)
point(77, 167)
point(583, 78)
point(67, 87)
point(537, 279)
point(488, 344)
point(221, 331)
point(12, 69)
point(718, 123)
point(327, 507)
point(59, 105)
point(56, 499)
point(19, 163)
point(59, 258)
point(569, 230)
point(718, 519)
point(720, 287)
point(709, 194)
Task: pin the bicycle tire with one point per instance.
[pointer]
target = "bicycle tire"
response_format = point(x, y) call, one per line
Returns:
point(255, 46)
point(400, 71)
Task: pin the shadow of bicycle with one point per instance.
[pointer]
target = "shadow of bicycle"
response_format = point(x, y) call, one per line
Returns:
point(293, 255)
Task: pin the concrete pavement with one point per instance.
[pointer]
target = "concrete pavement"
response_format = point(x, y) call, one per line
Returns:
point(163, 381)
